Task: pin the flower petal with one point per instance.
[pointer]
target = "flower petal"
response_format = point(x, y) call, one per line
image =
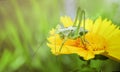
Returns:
point(66, 21)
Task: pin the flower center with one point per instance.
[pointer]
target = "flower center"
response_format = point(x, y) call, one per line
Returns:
point(94, 43)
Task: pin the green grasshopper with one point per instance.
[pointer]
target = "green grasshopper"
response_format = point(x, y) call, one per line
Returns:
point(75, 31)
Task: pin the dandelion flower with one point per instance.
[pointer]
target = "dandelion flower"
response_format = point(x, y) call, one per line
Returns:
point(102, 39)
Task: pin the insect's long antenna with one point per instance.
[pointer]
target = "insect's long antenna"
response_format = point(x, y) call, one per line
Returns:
point(62, 44)
point(38, 47)
point(77, 15)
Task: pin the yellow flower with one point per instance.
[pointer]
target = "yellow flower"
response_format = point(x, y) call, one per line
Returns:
point(103, 38)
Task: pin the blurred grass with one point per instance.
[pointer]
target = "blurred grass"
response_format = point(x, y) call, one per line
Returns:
point(24, 31)
point(25, 25)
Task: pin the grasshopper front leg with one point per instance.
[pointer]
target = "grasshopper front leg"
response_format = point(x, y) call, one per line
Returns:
point(63, 43)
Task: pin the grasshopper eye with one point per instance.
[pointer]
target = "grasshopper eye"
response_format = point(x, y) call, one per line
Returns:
point(82, 31)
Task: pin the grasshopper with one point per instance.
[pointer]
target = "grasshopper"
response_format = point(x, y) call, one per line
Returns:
point(74, 31)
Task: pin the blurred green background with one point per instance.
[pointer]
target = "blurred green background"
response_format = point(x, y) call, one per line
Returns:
point(25, 25)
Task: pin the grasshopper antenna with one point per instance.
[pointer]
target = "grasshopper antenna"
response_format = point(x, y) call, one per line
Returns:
point(83, 13)
point(38, 47)
point(62, 44)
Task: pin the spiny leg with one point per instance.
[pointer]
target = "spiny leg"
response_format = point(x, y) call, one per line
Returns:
point(83, 13)
point(81, 16)
point(80, 19)
point(77, 16)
